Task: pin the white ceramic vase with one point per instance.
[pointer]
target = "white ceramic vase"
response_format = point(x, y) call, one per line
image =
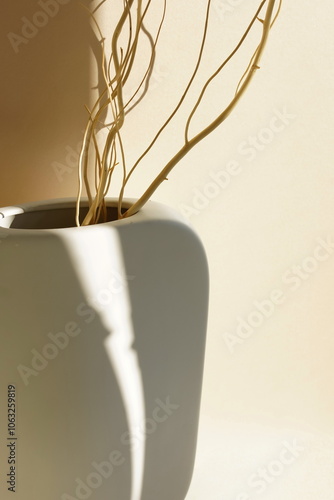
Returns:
point(102, 349)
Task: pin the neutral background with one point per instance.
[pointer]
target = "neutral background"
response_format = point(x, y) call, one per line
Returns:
point(269, 377)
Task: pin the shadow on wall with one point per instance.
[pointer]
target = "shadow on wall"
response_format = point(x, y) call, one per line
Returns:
point(46, 81)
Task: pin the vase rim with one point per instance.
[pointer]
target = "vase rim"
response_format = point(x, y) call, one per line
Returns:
point(25, 217)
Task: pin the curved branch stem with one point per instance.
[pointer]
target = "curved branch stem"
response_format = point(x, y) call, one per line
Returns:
point(215, 123)
point(110, 103)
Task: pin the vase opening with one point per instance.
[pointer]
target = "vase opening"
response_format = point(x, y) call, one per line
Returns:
point(53, 216)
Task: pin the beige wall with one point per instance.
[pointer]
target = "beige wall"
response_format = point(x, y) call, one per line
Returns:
point(268, 217)
point(44, 86)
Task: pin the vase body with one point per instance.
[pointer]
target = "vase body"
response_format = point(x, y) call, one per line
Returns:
point(102, 350)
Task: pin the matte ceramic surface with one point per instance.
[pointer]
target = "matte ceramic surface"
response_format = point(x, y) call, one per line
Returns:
point(102, 348)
